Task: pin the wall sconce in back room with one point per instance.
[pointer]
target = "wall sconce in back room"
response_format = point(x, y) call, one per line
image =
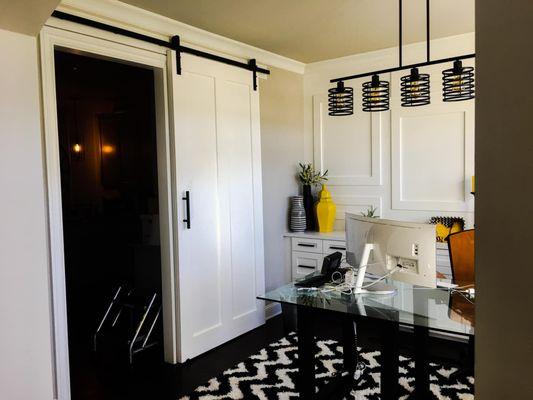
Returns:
point(77, 148)
point(108, 149)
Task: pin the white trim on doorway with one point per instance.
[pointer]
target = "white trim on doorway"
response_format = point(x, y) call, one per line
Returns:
point(105, 46)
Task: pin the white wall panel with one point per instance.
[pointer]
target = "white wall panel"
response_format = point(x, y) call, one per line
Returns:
point(349, 147)
point(429, 157)
point(435, 174)
point(355, 205)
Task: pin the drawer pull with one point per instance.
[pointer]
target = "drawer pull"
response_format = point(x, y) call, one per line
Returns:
point(337, 248)
point(306, 266)
point(307, 244)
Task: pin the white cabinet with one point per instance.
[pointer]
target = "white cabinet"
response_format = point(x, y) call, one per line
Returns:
point(307, 244)
point(332, 246)
point(305, 263)
point(308, 250)
point(443, 260)
point(217, 158)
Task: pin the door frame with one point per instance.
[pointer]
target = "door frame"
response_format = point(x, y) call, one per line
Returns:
point(83, 40)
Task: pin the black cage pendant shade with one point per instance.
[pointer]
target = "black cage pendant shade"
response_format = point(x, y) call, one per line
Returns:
point(376, 95)
point(458, 83)
point(415, 89)
point(340, 100)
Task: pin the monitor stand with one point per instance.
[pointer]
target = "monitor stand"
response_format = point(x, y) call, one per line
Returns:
point(378, 288)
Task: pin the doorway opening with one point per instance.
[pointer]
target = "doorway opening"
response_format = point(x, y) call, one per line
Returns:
point(109, 188)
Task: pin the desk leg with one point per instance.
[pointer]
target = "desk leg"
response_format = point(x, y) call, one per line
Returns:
point(390, 361)
point(471, 354)
point(421, 337)
point(305, 383)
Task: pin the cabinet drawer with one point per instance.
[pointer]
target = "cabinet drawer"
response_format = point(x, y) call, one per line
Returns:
point(443, 260)
point(331, 246)
point(443, 263)
point(305, 263)
point(447, 272)
point(307, 245)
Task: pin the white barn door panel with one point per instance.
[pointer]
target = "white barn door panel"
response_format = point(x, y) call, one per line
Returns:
point(237, 107)
point(217, 155)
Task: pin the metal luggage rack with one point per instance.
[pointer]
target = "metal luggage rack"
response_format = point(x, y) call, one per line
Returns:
point(140, 338)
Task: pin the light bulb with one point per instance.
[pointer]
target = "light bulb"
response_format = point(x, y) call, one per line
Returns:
point(415, 89)
point(457, 83)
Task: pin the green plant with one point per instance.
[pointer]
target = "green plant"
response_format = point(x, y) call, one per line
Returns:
point(371, 212)
point(309, 176)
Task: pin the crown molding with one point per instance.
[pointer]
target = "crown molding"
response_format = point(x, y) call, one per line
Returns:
point(130, 17)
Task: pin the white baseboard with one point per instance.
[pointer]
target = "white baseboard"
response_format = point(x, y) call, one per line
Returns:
point(272, 309)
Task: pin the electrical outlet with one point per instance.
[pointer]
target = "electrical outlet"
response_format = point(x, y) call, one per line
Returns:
point(408, 264)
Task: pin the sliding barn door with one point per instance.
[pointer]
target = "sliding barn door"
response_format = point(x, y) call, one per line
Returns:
point(219, 203)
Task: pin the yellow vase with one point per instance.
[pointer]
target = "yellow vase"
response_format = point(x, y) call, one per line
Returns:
point(325, 211)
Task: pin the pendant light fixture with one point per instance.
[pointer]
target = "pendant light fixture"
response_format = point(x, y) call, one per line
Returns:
point(340, 100)
point(415, 89)
point(458, 83)
point(376, 95)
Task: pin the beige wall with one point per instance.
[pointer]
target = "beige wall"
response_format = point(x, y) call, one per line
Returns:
point(281, 97)
point(25, 324)
point(504, 200)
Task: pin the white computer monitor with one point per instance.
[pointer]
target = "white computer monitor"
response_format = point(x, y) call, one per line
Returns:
point(381, 246)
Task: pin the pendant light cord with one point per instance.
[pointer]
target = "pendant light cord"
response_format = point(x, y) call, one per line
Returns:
point(428, 36)
point(400, 19)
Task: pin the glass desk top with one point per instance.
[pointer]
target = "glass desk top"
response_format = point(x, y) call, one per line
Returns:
point(436, 309)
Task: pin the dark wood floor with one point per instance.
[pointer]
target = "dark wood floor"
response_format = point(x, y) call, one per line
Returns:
point(110, 378)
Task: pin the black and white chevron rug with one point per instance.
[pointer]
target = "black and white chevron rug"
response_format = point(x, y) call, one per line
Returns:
point(270, 374)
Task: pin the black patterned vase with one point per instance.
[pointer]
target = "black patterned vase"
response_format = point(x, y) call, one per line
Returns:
point(297, 219)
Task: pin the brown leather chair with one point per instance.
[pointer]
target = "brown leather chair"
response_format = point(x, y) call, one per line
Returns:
point(461, 249)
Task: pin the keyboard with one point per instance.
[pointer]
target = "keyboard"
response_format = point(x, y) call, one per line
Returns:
point(313, 281)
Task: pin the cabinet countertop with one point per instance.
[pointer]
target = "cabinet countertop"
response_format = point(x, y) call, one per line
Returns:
point(336, 235)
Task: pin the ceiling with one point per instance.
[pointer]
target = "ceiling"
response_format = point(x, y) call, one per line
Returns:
point(315, 30)
point(25, 16)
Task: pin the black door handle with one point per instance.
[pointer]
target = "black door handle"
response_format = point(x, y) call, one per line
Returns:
point(187, 199)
